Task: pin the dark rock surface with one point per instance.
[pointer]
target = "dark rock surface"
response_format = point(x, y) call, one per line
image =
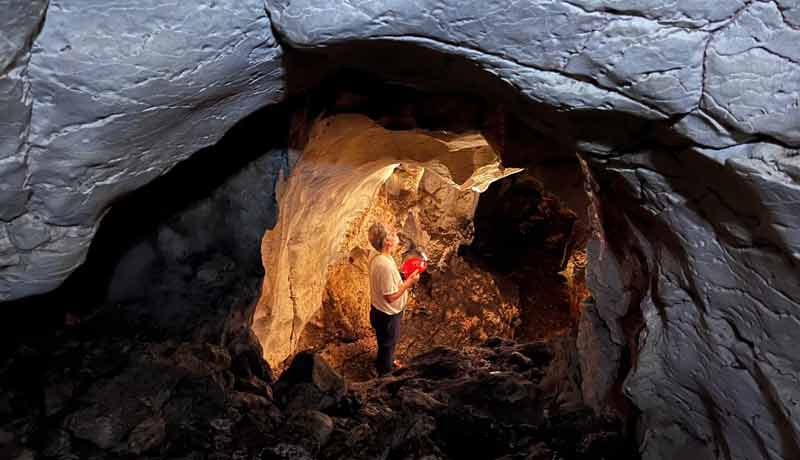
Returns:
point(502, 400)
point(499, 401)
point(21, 24)
point(122, 398)
point(309, 383)
point(128, 398)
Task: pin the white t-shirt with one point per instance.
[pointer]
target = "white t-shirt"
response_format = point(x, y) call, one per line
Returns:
point(384, 278)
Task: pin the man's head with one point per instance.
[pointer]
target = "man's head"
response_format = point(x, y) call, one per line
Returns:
point(383, 237)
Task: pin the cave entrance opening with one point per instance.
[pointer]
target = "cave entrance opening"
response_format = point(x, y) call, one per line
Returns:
point(506, 244)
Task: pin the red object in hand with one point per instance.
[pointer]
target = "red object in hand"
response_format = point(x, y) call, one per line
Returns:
point(413, 263)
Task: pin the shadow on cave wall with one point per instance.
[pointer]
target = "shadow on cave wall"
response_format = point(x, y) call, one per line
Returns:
point(531, 236)
point(525, 131)
point(171, 259)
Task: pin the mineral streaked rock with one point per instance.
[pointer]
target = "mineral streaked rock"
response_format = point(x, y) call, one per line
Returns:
point(20, 25)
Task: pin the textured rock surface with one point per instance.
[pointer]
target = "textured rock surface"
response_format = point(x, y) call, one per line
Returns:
point(22, 23)
point(639, 56)
point(718, 292)
point(120, 397)
point(114, 95)
point(501, 400)
point(309, 383)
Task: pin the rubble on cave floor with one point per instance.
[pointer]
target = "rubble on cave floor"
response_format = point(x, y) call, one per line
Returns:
point(105, 398)
point(88, 396)
point(501, 400)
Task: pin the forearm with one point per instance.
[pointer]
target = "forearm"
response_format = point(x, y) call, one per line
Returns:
point(396, 295)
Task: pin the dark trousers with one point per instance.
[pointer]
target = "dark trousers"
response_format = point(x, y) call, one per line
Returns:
point(387, 331)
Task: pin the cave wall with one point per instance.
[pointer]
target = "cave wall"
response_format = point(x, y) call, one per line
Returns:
point(177, 259)
point(114, 96)
point(181, 263)
point(104, 98)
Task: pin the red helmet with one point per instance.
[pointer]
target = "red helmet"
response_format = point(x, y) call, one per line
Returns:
point(413, 263)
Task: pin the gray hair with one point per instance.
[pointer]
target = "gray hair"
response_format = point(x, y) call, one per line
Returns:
point(377, 234)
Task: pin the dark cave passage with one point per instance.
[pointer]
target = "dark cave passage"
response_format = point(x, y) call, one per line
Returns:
point(532, 237)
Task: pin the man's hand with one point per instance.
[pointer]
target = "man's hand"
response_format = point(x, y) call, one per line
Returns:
point(413, 278)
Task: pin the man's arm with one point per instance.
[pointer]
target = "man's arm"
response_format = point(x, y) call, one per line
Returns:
point(410, 281)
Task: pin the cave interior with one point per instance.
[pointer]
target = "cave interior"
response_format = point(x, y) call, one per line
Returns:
point(504, 213)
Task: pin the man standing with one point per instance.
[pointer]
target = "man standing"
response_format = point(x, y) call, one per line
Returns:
point(388, 294)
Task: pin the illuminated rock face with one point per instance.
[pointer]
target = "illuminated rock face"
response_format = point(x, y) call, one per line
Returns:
point(699, 233)
point(324, 210)
point(455, 303)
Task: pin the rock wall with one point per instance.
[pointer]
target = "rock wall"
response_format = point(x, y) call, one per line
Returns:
point(686, 115)
point(107, 98)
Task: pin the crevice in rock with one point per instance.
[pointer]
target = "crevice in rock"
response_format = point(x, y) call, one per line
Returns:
point(783, 16)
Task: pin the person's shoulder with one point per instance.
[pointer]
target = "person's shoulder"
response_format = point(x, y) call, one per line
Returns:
point(376, 260)
point(382, 260)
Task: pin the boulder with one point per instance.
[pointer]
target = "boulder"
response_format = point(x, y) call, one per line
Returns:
point(309, 383)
